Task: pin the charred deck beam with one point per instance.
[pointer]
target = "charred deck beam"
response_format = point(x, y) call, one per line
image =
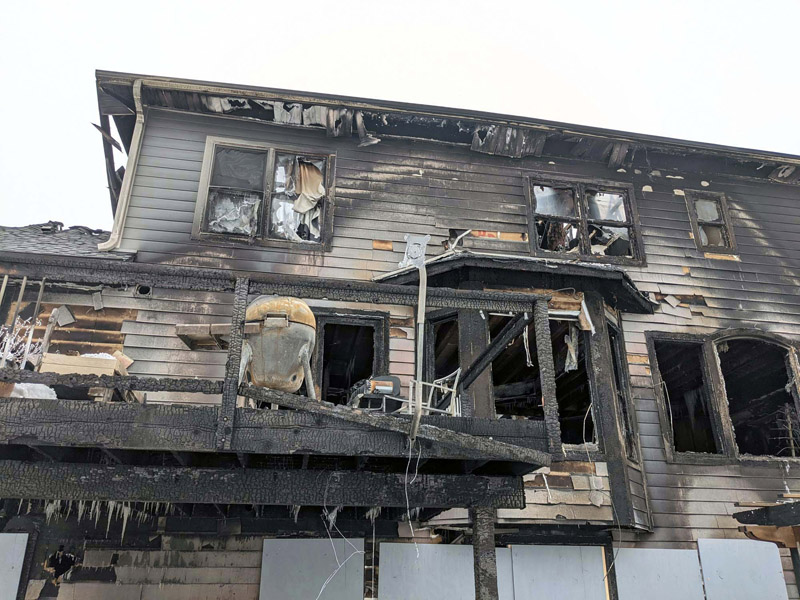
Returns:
point(176, 428)
point(80, 481)
point(119, 273)
point(783, 515)
point(488, 447)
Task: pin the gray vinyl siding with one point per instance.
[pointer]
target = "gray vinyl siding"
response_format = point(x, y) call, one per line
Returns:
point(398, 187)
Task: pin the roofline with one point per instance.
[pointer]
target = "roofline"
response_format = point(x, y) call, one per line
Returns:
point(114, 77)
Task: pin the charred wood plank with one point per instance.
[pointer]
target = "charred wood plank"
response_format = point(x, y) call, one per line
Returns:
point(488, 448)
point(81, 481)
point(783, 515)
point(118, 382)
point(227, 411)
point(114, 272)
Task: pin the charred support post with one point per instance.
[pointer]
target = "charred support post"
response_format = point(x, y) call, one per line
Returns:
point(484, 553)
point(608, 416)
point(473, 338)
point(547, 375)
point(230, 386)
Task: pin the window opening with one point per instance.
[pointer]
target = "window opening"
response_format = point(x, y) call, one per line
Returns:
point(757, 384)
point(710, 222)
point(348, 357)
point(583, 219)
point(516, 382)
point(681, 367)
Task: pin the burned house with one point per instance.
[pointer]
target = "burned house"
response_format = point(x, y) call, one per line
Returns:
point(346, 348)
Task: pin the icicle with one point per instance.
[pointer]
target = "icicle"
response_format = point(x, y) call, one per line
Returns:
point(19, 510)
point(373, 513)
point(49, 509)
point(126, 512)
point(111, 506)
point(69, 509)
point(295, 512)
point(331, 516)
point(96, 510)
point(30, 506)
point(81, 508)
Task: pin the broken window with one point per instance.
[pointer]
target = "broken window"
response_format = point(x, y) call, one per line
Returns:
point(444, 360)
point(710, 222)
point(583, 219)
point(516, 382)
point(255, 192)
point(759, 393)
point(686, 395)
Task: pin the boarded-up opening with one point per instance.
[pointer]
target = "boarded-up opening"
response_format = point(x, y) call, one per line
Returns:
point(761, 406)
point(686, 395)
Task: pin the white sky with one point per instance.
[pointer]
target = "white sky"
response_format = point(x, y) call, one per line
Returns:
point(721, 72)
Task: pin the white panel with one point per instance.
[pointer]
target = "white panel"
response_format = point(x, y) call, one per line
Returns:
point(12, 555)
point(563, 572)
point(658, 574)
point(441, 572)
point(299, 568)
point(741, 570)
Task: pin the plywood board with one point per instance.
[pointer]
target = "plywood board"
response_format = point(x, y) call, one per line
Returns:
point(12, 555)
point(441, 572)
point(564, 572)
point(741, 570)
point(299, 569)
point(658, 574)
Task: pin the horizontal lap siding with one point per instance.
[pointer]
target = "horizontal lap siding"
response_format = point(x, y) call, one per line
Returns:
point(382, 193)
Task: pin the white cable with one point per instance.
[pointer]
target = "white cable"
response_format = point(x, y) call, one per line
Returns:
point(405, 486)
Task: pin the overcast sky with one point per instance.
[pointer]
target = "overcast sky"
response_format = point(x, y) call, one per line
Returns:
point(721, 72)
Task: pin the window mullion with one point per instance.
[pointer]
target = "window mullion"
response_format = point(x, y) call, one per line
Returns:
point(721, 419)
point(265, 220)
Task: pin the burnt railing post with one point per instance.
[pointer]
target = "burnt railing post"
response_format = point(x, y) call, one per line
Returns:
point(547, 375)
point(230, 387)
point(484, 553)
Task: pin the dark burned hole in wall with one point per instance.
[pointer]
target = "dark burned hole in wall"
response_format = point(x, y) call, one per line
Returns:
point(517, 386)
point(762, 409)
point(686, 394)
point(348, 357)
point(445, 349)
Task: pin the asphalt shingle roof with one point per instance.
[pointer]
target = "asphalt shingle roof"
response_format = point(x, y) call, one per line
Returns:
point(53, 238)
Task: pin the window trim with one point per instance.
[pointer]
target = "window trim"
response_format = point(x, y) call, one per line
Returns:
point(378, 320)
point(724, 434)
point(263, 238)
point(578, 185)
point(722, 199)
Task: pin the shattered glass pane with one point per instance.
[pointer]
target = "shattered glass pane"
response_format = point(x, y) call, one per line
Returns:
point(232, 211)
point(557, 236)
point(708, 210)
point(610, 241)
point(298, 198)
point(555, 202)
point(713, 235)
point(239, 169)
point(606, 206)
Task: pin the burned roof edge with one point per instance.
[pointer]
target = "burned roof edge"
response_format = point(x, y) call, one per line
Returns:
point(119, 78)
